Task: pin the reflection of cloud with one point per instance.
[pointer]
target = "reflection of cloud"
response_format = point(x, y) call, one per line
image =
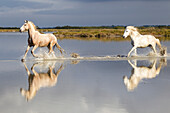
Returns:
point(6, 66)
point(89, 87)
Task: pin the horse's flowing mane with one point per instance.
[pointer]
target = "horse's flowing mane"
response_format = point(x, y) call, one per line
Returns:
point(33, 25)
point(132, 28)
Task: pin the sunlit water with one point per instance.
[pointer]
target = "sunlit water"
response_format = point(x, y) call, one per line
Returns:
point(81, 86)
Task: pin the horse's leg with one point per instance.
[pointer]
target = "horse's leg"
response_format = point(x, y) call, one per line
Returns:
point(135, 52)
point(153, 47)
point(159, 44)
point(28, 72)
point(28, 47)
point(32, 69)
point(51, 48)
point(48, 48)
point(132, 50)
point(61, 49)
point(32, 51)
point(59, 70)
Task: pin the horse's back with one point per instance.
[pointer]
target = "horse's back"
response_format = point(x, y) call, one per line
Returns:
point(48, 35)
point(43, 40)
point(149, 38)
point(52, 36)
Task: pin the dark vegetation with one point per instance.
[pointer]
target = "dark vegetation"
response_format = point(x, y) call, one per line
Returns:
point(104, 33)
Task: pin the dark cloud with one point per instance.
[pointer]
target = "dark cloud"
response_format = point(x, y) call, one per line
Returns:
point(85, 12)
point(73, 12)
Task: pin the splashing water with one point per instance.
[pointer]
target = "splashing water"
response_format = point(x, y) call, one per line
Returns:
point(43, 55)
point(163, 51)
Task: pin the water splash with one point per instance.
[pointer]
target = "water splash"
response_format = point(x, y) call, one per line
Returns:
point(163, 51)
point(44, 56)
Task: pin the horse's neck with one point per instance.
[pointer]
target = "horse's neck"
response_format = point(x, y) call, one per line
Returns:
point(31, 30)
point(29, 33)
point(134, 34)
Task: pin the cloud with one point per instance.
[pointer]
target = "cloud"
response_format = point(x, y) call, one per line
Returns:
point(19, 3)
point(15, 7)
point(84, 12)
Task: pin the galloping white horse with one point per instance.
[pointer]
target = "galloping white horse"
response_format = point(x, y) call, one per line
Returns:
point(141, 41)
point(36, 39)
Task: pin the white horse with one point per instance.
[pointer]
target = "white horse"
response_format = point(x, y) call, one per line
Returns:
point(141, 41)
point(36, 39)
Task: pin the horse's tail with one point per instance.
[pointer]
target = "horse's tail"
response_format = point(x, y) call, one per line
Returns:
point(60, 49)
point(158, 43)
point(163, 50)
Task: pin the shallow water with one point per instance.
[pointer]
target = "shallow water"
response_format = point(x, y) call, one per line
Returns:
point(81, 86)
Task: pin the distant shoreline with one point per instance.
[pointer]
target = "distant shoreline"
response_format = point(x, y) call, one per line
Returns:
point(99, 33)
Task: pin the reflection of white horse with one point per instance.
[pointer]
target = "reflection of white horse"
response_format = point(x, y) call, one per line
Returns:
point(140, 73)
point(140, 41)
point(39, 80)
point(36, 39)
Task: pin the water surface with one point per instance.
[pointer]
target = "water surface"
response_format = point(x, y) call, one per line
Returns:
point(81, 86)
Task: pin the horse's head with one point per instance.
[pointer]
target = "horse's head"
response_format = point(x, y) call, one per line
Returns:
point(25, 26)
point(129, 83)
point(128, 31)
point(28, 94)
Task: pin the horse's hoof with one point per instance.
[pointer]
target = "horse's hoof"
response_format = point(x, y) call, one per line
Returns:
point(22, 60)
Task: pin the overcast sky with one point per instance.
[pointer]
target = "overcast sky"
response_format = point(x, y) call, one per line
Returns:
point(51, 13)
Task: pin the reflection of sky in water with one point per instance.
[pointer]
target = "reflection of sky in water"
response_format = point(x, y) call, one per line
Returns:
point(86, 87)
